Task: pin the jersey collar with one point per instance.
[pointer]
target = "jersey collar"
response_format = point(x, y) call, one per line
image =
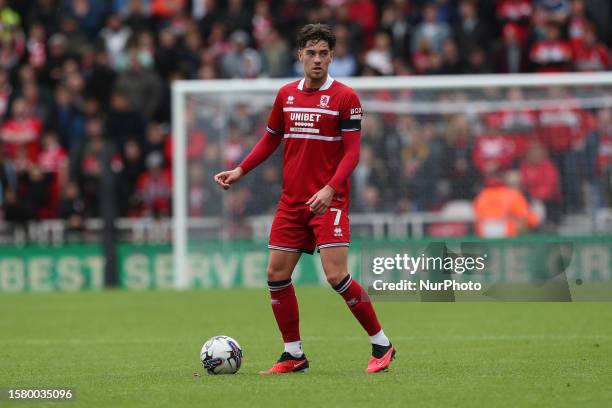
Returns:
point(326, 85)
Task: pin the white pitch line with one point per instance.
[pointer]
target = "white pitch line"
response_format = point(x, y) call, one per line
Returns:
point(309, 338)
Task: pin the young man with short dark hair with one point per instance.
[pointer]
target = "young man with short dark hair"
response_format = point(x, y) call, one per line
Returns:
point(320, 121)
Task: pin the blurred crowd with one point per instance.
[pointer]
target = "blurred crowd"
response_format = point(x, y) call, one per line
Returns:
point(85, 94)
point(425, 150)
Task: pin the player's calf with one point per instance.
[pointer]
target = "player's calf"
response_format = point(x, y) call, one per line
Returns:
point(361, 306)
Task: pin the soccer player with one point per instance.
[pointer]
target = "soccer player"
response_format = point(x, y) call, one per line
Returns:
point(319, 120)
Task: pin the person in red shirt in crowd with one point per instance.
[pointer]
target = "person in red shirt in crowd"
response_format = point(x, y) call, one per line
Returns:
point(553, 53)
point(154, 187)
point(515, 123)
point(540, 179)
point(493, 151)
point(577, 24)
point(564, 125)
point(599, 161)
point(53, 162)
point(515, 12)
point(21, 130)
point(562, 122)
point(590, 54)
point(365, 14)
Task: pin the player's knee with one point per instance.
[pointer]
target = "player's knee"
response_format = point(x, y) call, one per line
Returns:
point(277, 273)
point(334, 279)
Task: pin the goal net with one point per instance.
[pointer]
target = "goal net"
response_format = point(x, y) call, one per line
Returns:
point(429, 144)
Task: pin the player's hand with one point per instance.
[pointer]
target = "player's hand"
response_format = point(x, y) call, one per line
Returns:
point(226, 178)
point(321, 200)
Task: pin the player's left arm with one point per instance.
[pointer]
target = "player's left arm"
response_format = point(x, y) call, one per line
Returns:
point(350, 128)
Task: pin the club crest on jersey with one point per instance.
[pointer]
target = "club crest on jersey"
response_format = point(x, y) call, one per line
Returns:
point(290, 99)
point(324, 103)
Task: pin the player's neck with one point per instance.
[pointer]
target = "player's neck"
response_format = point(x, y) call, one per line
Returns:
point(314, 83)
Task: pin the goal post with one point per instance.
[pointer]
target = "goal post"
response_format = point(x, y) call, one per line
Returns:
point(215, 122)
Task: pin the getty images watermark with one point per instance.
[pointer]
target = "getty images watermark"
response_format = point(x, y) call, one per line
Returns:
point(405, 264)
point(548, 269)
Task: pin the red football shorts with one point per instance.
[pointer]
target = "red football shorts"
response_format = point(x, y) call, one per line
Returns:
point(300, 230)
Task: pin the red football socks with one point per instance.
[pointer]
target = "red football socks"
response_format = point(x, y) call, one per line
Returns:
point(285, 308)
point(359, 303)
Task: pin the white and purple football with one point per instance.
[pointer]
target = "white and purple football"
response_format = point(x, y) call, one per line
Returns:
point(221, 355)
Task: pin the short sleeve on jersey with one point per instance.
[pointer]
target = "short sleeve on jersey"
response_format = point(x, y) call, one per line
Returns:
point(276, 124)
point(350, 113)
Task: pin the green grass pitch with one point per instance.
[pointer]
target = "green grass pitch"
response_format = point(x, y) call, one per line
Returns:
point(140, 349)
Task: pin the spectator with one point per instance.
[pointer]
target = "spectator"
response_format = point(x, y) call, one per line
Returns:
point(502, 211)
point(452, 64)
point(53, 162)
point(66, 119)
point(398, 22)
point(348, 30)
point(470, 30)
point(275, 53)
point(21, 131)
point(57, 55)
point(141, 85)
point(46, 13)
point(577, 24)
point(512, 56)
point(211, 14)
point(88, 14)
point(242, 61)
point(589, 54)
point(36, 188)
point(123, 122)
point(5, 92)
point(552, 54)
point(540, 180)
point(72, 210)
point(157, 141)
point(344, 63)
point(87, 166)
point(132, 167)
point(478, 61)
point(379, 57)
point(493, 152)
point(557, 10)
point(514, 122)
point(598, 162)
point(99, 79)
point(8, 177)
point(191, 54)
point(115, 36)
point(431, 29)
point(168, 53)
point(76, 40)
point(461, 171)
point(364, 13)
point(136, 15)
point(36, 47)
point(563, 130)
point(515, 12)
point(238, 17)
point(262, 22)
point(154, 188)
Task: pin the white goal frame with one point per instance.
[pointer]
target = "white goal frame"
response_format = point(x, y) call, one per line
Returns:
point(180, 89)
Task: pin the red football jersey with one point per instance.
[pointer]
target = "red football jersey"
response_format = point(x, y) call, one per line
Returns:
point(313, 124)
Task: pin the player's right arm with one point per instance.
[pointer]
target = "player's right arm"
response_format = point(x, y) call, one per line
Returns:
point(262, 150)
